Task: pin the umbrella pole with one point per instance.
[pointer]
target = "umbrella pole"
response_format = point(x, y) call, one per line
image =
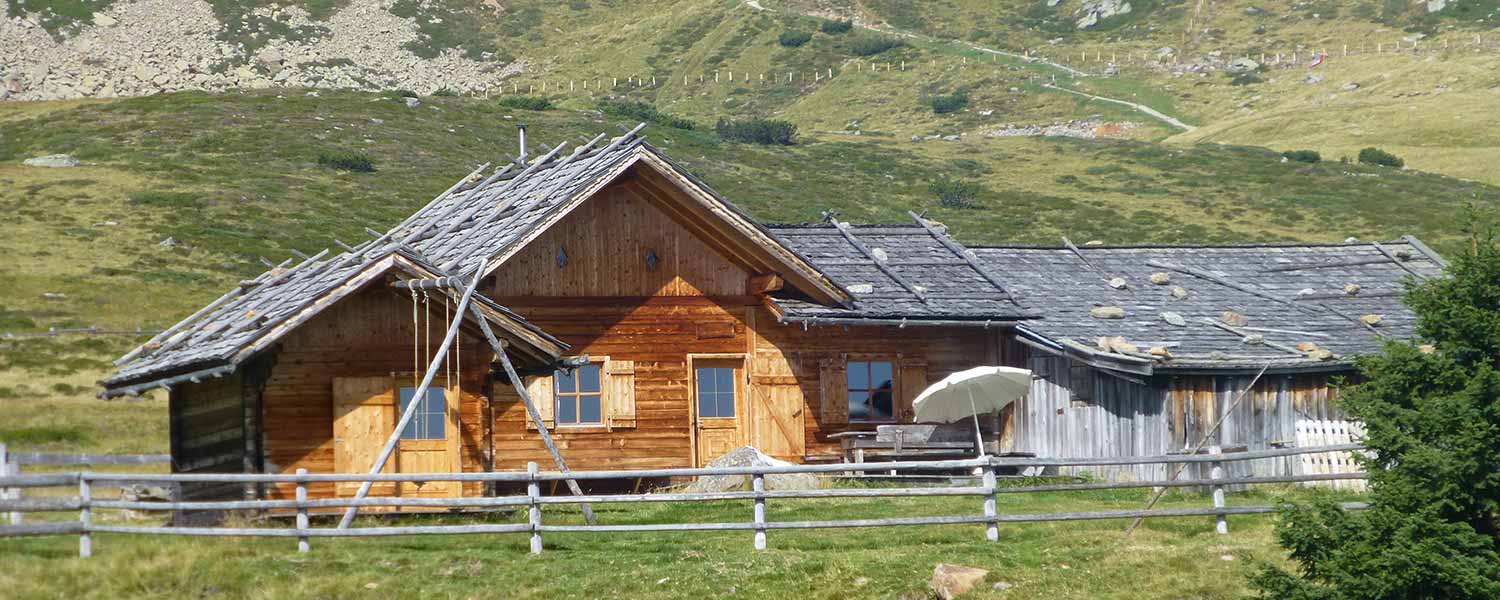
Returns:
point(974, 413)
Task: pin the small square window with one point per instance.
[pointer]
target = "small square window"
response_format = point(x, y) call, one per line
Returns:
point(716, 391)
point(579, 395)
point(870, 391)
point(431, 419)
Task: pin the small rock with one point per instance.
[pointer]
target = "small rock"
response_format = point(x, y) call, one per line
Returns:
point(1313, 78)
point(52, 161)
point(1216, 355)
point(1306, 292)
point(1371, 320)
point(1234, 319)
point(372, 585)
point(1160, 352)
point(54, 296)
point(1226, 557)
point(663, 580)
point(1160, 278)
point(1255, 11)
point(1118, 283)
point(413, 102)
point(1427, 349)
point(170, 242)
point(1254, 339)
point(103, 20)
point(1174, 319)
point(1179, 292)
point(1307, 347)
point(1118, 344)
point(1351, 86)
point(1002, 586)
point(1242, 65)
point(950, 581)
point(1322, 355)
point(1352, 289)
point(1107, 312)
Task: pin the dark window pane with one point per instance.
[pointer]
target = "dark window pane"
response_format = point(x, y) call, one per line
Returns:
point(726, 404)
point(724, 380)
point(565, 382)
point(859, 404)
point(880, 404)
point(435, 423)
point(588, 379)
point(588, 409)
point(705, 382)
point(411, 432)
point(567, 409)
point(859, 375)
point(706, 405)
point(880, 374)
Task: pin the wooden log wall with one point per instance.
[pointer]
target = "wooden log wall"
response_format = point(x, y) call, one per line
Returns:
point(207, 428)
point(1078, 411)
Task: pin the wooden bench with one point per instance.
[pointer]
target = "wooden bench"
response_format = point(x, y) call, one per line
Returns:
point(913, 441)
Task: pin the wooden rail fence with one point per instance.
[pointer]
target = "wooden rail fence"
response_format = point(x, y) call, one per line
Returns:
point(533, 501)
point(12, 463)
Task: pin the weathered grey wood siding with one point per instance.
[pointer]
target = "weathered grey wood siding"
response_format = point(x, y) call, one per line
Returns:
point(1078, 411)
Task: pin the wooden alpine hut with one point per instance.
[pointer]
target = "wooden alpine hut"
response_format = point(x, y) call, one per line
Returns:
point(602, 306)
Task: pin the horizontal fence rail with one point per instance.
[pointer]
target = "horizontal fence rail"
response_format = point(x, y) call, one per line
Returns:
point(12, 464)
point(533, 501)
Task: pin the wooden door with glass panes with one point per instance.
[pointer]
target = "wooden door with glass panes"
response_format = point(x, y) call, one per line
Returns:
point(718, 401)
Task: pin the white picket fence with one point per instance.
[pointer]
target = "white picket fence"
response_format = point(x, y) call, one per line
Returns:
point(1319, 432)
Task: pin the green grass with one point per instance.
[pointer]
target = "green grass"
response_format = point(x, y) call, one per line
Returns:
point(1167, 558)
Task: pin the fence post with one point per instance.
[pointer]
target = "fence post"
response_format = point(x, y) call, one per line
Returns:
point(758, 483)
point(6, 470)
point(992, 527)
point(1216, 472)
point(534, 512)
point(85, 516)
point(302, 543)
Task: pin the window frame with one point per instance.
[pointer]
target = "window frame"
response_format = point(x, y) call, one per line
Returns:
point(894, 362)
point(737, 387)
point(451, 397)
point(578, 394)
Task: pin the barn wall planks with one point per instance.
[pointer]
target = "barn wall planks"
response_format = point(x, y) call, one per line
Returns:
point(1077, 411)
point(619, 244)
point(207, 427)
point(366, 335)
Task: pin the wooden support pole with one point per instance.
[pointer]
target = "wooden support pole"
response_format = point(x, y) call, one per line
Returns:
point(421, 392)
point(531, 410)
point(992, 527)
point(1212, 431)
point(758, 485)
point(302, 544)
point(1216, 473)
point(534, 511)
point(85, 517)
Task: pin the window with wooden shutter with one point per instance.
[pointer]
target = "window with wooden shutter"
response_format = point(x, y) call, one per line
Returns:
point(619, 394)
point(540, 389)
point(834, 396)
point(913, 380)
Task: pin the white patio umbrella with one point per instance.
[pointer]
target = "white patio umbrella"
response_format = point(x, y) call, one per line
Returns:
point(966, 394)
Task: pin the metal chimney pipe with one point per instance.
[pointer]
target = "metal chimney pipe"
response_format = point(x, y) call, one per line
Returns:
point(522, 128)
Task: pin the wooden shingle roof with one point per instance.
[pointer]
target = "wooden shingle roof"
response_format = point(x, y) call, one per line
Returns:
point(912, 271)
point(1287, 294)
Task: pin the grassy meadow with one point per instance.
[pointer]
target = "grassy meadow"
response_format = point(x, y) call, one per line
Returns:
point(1166, 558)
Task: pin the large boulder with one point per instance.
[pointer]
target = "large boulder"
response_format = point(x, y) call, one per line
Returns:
point(54, 161)
point(751, 457)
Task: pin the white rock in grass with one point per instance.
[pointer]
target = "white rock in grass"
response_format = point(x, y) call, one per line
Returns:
point(52, 161)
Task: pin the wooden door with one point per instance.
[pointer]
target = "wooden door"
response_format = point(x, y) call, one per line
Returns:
point(718, 386)
point(775, 422)
point(365, 413)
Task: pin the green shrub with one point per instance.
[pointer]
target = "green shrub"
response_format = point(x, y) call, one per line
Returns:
point(1376, 156)
point(1432, 423)
point(757, 131)
point(872, 44)
point(836, 27)
point(956, 193)
point(1246, 78)
point(167, 199)
point(794, 39)
point(1307, 156)
point(346, 160)
point(644, 111)
point(449, 92)
point(526, 102)
point(943, 104)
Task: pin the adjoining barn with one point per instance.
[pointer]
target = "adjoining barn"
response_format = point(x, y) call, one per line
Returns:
point(653, 324)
